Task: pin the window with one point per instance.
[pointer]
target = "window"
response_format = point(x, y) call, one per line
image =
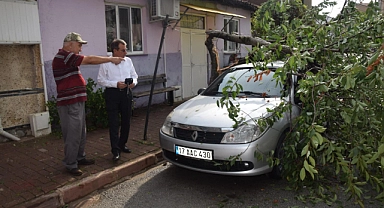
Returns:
point(125, 23)
point(191, 21)
point(231, 26)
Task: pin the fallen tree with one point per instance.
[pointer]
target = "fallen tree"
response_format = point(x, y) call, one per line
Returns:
point(246, 40)
point(337, 142)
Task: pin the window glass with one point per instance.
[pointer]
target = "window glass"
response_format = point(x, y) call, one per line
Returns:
point(136, 30)
point(110, 20)
point(124, 24)
point(263, 85)
point(231, 27)
point(191, 21)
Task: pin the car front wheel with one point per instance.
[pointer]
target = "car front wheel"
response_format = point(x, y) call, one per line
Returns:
point(279, 153)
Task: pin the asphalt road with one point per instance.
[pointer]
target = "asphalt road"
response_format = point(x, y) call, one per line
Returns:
point(170, 186)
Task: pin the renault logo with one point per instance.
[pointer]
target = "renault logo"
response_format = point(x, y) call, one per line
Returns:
point(194, 135)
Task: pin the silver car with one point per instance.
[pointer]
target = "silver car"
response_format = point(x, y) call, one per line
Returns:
point(200, 136)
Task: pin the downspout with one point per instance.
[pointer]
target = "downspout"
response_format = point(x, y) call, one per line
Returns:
point(6, 134)
point(42, 64)
point(165, 64)
point(43, 75)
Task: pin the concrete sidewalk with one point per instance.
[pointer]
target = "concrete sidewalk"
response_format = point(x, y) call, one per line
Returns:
point(32, 173)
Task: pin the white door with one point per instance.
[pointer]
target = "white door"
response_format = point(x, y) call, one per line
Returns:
point(194, 61)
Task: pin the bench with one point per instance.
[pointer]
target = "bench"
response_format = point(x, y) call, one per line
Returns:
point(147, 81)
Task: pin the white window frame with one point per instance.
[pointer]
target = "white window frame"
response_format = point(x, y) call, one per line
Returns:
point(226, 29)
point(130, 44)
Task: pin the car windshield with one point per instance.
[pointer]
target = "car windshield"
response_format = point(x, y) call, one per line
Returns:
point(254, 83)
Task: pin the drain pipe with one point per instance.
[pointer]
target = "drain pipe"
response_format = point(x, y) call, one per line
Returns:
point(6, 134)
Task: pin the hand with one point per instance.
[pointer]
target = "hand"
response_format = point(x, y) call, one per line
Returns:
point(121, 85)
point(132, 85)
point(117, 60)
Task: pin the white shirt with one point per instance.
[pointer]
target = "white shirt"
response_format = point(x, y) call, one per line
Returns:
point(110, 74)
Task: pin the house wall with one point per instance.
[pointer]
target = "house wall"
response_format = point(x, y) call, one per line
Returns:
point(87, 17)
point(216, 22)
point(245, 30)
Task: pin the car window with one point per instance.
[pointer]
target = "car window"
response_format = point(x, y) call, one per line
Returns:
point(254, 83)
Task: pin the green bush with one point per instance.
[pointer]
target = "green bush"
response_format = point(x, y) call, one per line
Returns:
point(95, 109)
point(54, 118)
point(96, 113)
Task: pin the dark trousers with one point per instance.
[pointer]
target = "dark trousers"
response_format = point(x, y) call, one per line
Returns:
point(119, 109)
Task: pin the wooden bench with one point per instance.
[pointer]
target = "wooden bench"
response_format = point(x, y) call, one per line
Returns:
point(147, 81)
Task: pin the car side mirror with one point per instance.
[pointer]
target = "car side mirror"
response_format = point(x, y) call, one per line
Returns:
point(200, 91)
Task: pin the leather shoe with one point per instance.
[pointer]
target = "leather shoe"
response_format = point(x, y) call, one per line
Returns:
point(116, 157)
point(75, 171)
point(125, 149)
point(86, 162)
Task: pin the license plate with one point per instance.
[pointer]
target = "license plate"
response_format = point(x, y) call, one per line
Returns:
point(194, 153)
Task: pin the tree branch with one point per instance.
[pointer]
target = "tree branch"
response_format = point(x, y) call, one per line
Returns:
point(254, 41)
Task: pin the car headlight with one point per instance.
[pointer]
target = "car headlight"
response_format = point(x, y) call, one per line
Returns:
point(167, 127)
point(243, 134)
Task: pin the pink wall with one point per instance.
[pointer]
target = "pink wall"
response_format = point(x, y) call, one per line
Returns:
point(87, 17)
point(245, 26)
point(58, 18)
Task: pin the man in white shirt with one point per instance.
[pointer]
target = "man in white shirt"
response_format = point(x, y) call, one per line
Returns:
point(118, 96)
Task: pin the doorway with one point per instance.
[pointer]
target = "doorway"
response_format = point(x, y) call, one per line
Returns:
point(194, 59)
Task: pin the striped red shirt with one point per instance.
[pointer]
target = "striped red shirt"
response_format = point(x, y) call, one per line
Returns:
point(69, 81)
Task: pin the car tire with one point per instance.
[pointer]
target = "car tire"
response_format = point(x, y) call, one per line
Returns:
point(276, 172)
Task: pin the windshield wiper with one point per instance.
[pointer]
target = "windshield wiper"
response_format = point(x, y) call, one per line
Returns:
point(260, 94)
point(212, 93)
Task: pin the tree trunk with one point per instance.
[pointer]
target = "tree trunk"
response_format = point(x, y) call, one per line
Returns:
point(214, 55)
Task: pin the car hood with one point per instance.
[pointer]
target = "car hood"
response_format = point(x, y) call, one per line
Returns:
point(203, 111)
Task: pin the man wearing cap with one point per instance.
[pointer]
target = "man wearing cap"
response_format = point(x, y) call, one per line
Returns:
point(71, 97)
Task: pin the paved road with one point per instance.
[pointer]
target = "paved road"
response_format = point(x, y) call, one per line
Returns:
point(170, 186)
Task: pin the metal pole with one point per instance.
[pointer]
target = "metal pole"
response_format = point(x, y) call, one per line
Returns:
point(165, 24)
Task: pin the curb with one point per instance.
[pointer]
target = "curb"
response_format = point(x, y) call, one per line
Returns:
point(85, 186)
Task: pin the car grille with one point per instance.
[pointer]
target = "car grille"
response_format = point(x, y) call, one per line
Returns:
point(201, 137)
point(214, 165)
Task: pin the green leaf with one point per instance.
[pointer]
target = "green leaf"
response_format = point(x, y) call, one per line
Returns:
point(348, 83)
point(380, 196)
point(302, 174)
point(305, 150)
point(382, 161)
point(306, 166)
point(320, 138)
point(314, 141)
point(323, 88)
point(346, 117)
point(377, 154)
point(320, 129)
point(337, 169)
point(381, 149)
point(312, 161)
point(374, 57)
point(291, 61)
